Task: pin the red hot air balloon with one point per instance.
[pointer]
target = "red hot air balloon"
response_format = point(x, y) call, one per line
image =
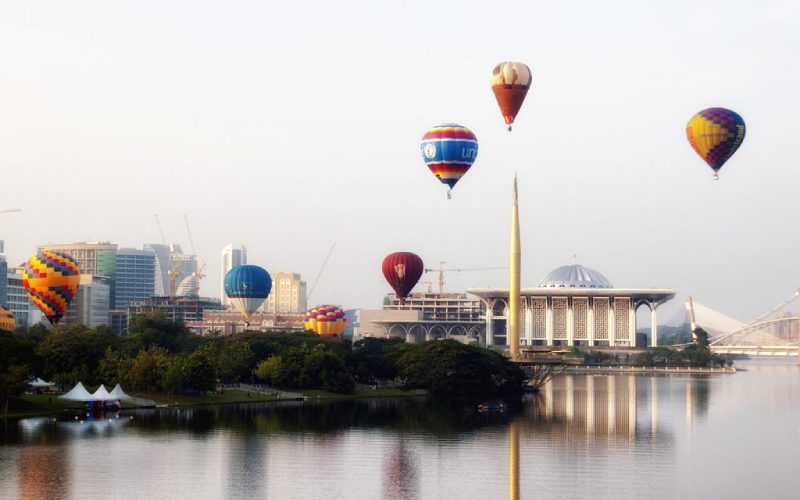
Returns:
point(402, 270)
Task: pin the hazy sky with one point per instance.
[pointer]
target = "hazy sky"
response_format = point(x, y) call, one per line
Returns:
point(288, 126)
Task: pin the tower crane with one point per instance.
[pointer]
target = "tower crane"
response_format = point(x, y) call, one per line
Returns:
point(10, 210)
point(441, 270)
point(200, 267)
point(319, 274)
point(173, 269)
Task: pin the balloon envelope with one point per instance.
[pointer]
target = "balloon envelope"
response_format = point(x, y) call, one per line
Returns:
point(402, 270)
point(510, 84)
point(715, 134)
point(449, 150)
point(327, 320)
point(51, 279)
point(247, 287)
point(7, 321)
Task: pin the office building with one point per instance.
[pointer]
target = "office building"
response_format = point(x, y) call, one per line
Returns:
point(136, 276)
point(231, 257)
point(162, 266)
point(91, 303)
point(93, 258)
point(288, 294)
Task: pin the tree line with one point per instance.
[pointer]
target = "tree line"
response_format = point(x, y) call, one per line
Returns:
point(163, 356)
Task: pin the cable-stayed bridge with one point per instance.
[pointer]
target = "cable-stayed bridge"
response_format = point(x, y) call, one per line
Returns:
point(774, 333)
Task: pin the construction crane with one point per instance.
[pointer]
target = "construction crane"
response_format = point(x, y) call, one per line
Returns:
point(319, 274)
point(442, 270)
point(174, 266)
point(200, 265)
point(10, 210)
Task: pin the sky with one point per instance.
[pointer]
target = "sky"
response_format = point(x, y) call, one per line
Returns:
point(291, 126)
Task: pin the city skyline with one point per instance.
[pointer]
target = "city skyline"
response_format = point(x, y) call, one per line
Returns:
point(613, 86)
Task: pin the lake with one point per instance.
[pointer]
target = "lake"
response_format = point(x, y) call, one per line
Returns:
point(583, 436)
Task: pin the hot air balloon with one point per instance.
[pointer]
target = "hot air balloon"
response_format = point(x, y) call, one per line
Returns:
point(510, 84)
point(715, 133)
point(51, 279)
point(449, 150)
point(326, 320)
point(402, 270)
point(7, 321)
point(247, 287)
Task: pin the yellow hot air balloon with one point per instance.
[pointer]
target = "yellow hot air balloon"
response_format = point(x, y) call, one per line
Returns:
point(326, 320)
point(7, 321)
point(51, 279)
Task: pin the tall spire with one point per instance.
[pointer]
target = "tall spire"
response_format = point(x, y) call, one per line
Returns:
point(513, 277)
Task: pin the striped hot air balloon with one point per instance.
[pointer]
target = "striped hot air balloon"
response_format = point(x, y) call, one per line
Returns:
point(51, 279)
point(510, 84)
point(247, 287)
point(326, 320)
point(449, 150)
point(715, 134)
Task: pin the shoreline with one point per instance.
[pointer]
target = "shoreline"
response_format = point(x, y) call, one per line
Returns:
point(230, 396)
point(660, 370)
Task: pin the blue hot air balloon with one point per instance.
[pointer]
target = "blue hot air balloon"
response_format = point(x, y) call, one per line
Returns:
point(247, 287)
point(449, 150)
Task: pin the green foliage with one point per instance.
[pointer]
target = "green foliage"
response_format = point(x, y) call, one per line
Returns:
point(450, 369)
point(201, 369)
point(372, 359)
point(235, 362)
point(270, 370)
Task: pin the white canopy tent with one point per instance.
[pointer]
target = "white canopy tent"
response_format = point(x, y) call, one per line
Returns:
point(79, 393)
point(119, 394)
point(38, 383)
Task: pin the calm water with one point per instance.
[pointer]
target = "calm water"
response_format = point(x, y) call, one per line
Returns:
point(727, 436)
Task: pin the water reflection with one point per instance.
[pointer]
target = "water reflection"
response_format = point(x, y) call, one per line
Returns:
point(409, 447)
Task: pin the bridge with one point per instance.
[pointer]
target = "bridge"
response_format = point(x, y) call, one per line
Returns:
point(774, 333)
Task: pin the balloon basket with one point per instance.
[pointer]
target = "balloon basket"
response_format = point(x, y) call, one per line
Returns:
point(449, 194)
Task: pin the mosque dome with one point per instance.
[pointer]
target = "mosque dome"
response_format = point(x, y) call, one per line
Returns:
point(575, 276)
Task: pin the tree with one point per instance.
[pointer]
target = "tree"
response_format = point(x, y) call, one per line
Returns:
point(13, 382)
point(234, 361)
point(270, 370)
point(201, 369)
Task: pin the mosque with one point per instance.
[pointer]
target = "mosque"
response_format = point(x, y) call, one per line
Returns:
point(572, 306)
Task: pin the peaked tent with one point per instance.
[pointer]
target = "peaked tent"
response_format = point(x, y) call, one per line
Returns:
point(78, 393)
point(38, 383)
point(102, 394)
point(118, 393)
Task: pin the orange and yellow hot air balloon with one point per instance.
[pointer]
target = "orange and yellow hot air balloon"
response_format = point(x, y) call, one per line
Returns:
point(326, 320)
point(51, 279)
point(7, 321)
point(510, 84)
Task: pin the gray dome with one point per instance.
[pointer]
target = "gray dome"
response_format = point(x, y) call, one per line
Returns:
point(575, 276)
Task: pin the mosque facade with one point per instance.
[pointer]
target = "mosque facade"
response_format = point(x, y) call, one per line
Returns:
point(572, 306)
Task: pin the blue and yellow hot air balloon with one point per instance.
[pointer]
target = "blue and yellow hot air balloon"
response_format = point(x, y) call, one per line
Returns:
point(449, 150)
point(247, 287)
point(325, 320)
point(715, 134)
point(51, 279)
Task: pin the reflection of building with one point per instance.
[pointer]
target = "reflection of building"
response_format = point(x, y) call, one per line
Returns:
point(231, 257)
point(99, 259)
point(229, 322)
point(136, 276)
point(573, 305)
point(91, 303)
point(424, 316)
point(288, 294)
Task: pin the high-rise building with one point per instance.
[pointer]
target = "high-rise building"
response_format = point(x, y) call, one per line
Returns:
point(93, 258)
point(231, 257)
point(184, 267)
point(288, 294)
point(162, 267)
point(3, 280)
point(91, 303)
point(136, 276)
point(17, 298)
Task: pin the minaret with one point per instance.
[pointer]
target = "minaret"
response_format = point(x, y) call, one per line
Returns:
point(513, 278)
